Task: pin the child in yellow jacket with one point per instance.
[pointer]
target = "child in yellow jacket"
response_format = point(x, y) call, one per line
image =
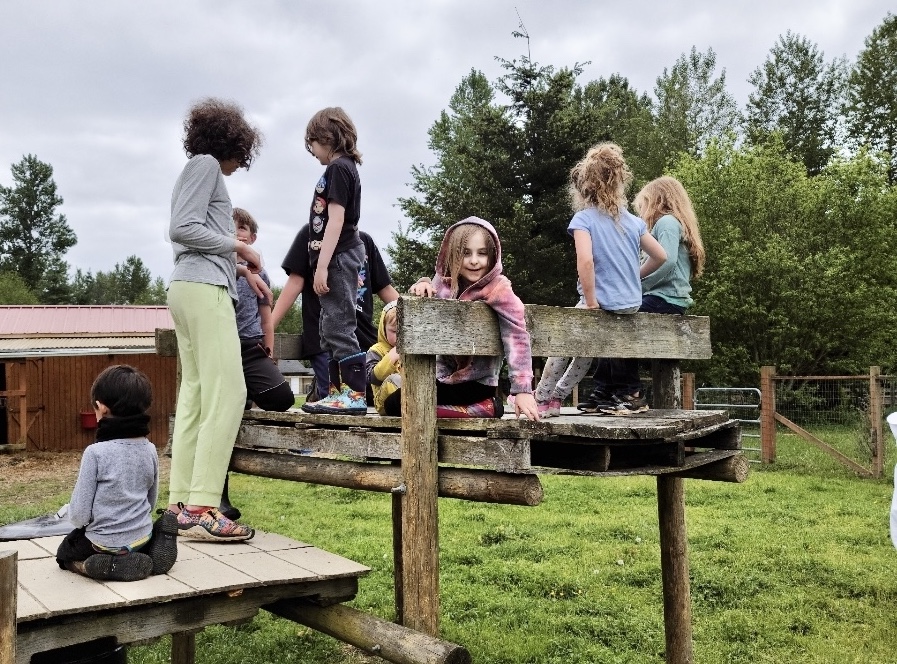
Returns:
point(383, 359)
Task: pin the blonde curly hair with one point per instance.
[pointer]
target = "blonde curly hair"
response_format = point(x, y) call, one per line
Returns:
point(600, 180)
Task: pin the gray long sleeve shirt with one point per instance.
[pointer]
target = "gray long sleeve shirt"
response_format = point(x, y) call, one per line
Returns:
point(202, 227)
point(116, 491)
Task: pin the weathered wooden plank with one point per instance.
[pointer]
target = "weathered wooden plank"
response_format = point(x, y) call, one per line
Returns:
point(287, 347)
point(138, 623)
point(374, 635)
point(500, 454)
point(691, 461)
point(429, 326)
point(206, 574)
point(61, 591)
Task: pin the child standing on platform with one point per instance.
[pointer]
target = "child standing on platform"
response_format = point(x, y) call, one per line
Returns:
point(608, 240)
point(117, 488)
point(337, 254)
point(201, 298)
point(666, 208)
point(469, 268)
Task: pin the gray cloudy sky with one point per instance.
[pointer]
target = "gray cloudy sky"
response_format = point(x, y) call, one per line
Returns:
point(99, 89)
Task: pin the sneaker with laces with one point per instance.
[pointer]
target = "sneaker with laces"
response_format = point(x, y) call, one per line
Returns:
point(346, 401)
point(122, 567)
point(163, 545)
point(626, 404)
point(550, 408)
point(491, 407)
point(212, 526)
point(595, 402)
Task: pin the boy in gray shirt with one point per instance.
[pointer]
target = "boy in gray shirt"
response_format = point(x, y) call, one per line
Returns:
point(117, 488)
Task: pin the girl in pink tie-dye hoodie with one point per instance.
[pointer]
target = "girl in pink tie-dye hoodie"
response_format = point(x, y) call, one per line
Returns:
point(469, 268)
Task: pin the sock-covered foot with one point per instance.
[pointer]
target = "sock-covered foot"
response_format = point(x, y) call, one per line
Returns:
point(163, 545)
point(124, 567)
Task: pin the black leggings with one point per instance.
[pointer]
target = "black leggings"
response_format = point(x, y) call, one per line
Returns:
point(460, 394)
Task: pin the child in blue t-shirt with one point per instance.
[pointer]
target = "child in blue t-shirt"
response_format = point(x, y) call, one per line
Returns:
point(608, 240)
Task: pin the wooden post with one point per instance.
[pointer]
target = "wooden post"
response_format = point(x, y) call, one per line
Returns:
point(875, 417)
point(688, 391)
point(183, 648)
point(420, 527)
point(674, 569)
point(397, 556)
point(767, 415)
point(8, 603)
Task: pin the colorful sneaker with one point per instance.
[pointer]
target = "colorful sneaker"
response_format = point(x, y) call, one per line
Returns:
point(595, 402)
point(124, 567)
point(344, 402)
point(312, 406)
point(550, 408)
point(626, 404)
point(163, 545)
point(213, 526)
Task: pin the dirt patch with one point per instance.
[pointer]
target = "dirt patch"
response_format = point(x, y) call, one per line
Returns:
point(30, 477)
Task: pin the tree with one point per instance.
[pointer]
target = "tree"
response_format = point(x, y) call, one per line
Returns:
point(692, 107)
point(32, 235)
point(798, 96)
point(509, 163)
point(291, 323)
point(14, 290)
point(129, 282)
point(797, 267)
point(872, 94)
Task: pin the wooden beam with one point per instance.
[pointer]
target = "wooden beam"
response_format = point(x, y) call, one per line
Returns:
point(825, 447)
point(375, 636)
point(429, 327)
point(8, 603)
point(420, 520)
point(484, 486)
point(731, 469)
point(674, 569)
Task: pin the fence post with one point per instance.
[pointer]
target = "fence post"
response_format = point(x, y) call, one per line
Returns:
point(688, 391)
point(875, 413)
point(767, 415)
point(8, 581)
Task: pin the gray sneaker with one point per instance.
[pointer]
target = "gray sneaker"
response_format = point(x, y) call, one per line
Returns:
point(626, 404)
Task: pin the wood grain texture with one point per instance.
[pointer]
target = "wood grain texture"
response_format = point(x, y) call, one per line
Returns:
point(428, 326)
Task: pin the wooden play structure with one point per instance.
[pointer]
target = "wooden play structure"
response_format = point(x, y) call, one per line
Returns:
point(418, 458)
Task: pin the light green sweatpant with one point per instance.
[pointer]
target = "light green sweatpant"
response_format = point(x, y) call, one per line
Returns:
point(212, 394)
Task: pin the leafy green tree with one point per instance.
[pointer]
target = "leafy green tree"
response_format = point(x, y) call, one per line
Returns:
point(32, 235)
point(509, 163)
point(155, 293)
point(14, 290)
point(693, 107)
point(292, 321)
point(798, 267)
point(872, 94)
point(798, 95)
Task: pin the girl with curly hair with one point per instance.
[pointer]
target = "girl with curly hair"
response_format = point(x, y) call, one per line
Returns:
point(201, 297)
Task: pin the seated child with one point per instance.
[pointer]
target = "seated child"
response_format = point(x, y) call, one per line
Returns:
point(117, 488)
point(383, 360)
point(469, 268)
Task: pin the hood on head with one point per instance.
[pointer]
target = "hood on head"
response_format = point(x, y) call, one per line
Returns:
point(443, 248)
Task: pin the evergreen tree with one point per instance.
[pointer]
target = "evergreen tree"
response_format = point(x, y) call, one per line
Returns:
point(693, 107)
point(872, 94)
point(33, 237)
point(797, 94)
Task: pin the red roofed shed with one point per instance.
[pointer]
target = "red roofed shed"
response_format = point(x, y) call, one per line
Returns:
point(49, 357)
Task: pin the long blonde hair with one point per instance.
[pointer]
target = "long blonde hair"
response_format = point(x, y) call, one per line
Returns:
point(600, 179)
point(454, 253)
point(666, 195)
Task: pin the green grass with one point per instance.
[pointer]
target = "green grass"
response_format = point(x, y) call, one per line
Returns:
point(795, 565)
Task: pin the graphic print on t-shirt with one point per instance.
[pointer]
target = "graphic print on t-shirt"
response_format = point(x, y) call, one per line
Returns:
point(362, 289)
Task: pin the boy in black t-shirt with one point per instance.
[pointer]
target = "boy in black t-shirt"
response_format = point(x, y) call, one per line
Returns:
point(336, 255)
point(373, 280)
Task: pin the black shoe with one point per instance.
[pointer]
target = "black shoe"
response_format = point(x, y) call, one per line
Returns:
point(163, 545)
point(595, 402)
point(230, 511)
point(125, 567)
point(626, 404)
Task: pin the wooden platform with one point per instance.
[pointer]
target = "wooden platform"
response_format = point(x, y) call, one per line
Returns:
point(650, 443)
point(210, 583)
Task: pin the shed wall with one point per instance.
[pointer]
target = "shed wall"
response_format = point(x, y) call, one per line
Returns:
point(59, 391)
